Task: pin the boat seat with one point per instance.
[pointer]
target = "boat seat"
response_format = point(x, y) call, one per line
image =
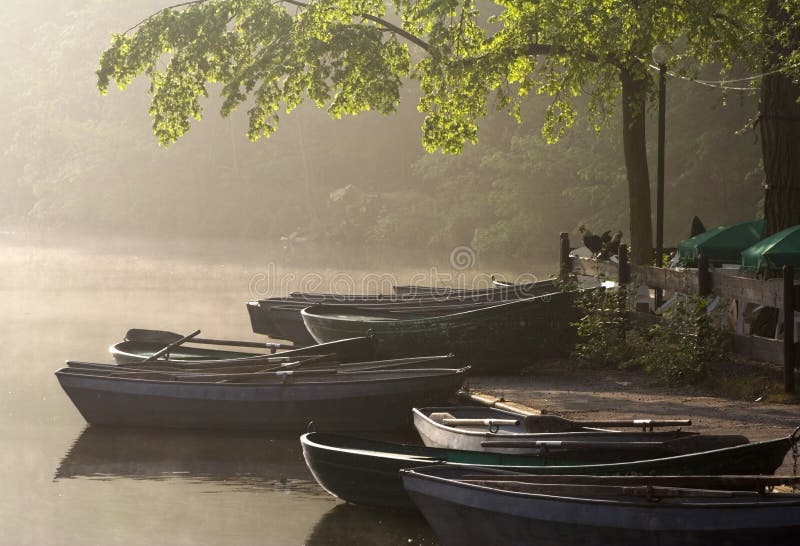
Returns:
point(439, 417)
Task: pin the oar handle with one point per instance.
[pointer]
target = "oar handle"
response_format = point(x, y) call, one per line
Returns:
point(166, 349)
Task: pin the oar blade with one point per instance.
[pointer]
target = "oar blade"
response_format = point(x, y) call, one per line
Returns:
point(142, 335)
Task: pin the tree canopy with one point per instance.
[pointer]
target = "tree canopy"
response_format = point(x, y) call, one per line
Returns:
point(348, 56)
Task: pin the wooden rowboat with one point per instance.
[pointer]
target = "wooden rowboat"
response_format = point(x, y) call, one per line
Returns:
point(467, 507)
point(280, 318)
point(288, 401)
point(288, 321)
point(523, 289)
point(367, 471)
point(501, 337)
point(493, 430)
point(357, 349)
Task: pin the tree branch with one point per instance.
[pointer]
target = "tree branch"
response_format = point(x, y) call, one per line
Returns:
point(174, 6)
point(382, 22)
point(386, 25)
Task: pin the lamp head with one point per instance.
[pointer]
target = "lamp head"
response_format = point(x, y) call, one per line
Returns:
point(662, 54)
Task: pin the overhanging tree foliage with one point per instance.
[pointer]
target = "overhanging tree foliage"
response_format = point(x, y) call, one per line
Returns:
point(350, 56)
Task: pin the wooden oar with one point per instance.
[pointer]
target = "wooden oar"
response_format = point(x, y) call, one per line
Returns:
point(166, 349)
point(499, 403)
point(573, 444)
point(254, 361)
point(713, 481)
point(478, 422)
point(647, 491)
point(556, 423)
point(162, 336)
point(691, 444)
point(216, 366)
point(280, 373)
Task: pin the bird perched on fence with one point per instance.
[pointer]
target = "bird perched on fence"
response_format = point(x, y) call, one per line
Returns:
point(593, 242)
point(697, 227)
point(611, 247)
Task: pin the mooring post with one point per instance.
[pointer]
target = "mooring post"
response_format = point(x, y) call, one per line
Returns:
point(563, 259)
point(703, 276)
point(789, 348)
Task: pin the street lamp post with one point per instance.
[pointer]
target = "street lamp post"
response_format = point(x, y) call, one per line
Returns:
point(661, 55)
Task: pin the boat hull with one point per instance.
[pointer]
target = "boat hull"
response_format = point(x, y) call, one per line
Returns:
point(381, 400)
point(280, 317)
point(368, 472)
point(498, 338)
point(475, 437)
point(463, 515)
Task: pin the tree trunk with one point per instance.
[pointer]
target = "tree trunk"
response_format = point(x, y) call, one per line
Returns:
point(635, 145)
point(779, 126)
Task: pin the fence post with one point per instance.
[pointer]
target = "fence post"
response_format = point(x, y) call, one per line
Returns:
point(624, 278)
point(563, 259)
point(789, 348)
point(624, 271)
point(703, 276)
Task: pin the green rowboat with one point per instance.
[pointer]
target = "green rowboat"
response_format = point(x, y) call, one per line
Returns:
point(501, 337)
point(360, 349)
point(368, 472)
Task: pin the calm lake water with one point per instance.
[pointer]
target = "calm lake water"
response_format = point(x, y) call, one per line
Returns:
point(65, 483)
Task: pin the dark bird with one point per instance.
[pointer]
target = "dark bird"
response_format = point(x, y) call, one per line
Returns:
point(611, 248)
point(605, 238)
point(592, 241)
point(697, 227)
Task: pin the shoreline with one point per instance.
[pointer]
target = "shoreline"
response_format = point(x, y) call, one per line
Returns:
point(591, 393)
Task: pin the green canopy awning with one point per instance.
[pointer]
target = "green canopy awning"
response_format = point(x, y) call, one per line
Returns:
point(775, 251)
point(722, 244)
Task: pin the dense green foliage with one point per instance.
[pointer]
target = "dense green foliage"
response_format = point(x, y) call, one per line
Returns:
point(690, 334)
point(76, 160)
point(602, 328)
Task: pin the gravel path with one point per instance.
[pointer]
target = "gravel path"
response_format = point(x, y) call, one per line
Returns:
point(581, 393)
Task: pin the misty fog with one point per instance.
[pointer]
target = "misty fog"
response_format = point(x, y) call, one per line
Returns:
point(79, 162)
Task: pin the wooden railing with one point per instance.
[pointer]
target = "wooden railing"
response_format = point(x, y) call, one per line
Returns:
point(688, 281)
point(703, 281)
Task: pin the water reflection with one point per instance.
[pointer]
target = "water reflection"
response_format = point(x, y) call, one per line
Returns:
point(231, 458)
point(348, 524)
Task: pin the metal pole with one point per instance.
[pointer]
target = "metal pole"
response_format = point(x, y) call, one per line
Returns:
point(662, 107)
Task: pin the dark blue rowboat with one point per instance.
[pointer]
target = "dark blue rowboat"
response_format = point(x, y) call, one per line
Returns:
point(465, 506)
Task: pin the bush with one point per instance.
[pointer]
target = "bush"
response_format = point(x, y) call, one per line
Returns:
point(676, 348)
point(601, 329)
